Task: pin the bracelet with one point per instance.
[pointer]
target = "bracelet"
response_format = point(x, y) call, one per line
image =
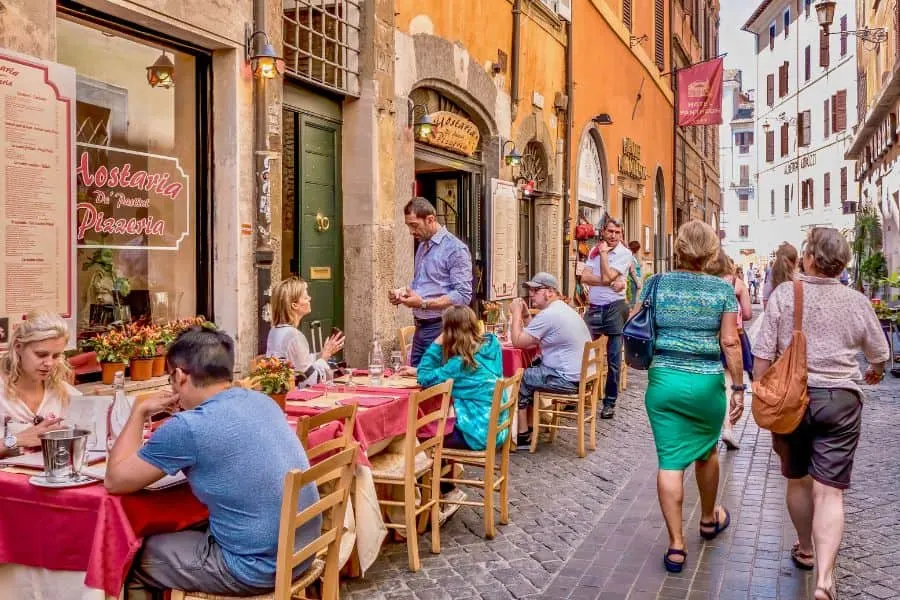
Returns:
point(738, 388)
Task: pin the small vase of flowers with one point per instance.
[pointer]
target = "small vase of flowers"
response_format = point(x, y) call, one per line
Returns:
point(113, 350)
point(273, 376)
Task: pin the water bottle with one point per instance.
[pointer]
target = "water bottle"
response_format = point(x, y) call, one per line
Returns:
point(500, 326)
point(119, 401)
point(376, 363)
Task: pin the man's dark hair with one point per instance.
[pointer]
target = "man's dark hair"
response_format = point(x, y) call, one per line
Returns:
point(204, 353)
point(634, 246)
point(420, 207)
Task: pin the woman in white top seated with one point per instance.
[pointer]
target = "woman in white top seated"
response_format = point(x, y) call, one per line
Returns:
point(34, 388)
point(290, 303)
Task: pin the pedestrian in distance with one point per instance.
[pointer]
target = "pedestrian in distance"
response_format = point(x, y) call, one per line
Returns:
point(635, 281)
point(817, 457)
point(442, 275)
point(696, 318)
point(783, 269)
point(608, 264)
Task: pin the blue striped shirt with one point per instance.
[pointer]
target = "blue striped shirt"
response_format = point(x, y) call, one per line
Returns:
point(443, 267)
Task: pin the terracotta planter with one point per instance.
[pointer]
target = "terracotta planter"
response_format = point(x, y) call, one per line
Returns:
point(109, 370)
point(159, 366)
point(141, 369)
point(280, 399)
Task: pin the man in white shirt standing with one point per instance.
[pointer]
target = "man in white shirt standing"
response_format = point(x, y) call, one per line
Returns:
point(605, 272)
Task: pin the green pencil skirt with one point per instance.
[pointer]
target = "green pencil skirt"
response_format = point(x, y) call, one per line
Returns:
point(686, 412)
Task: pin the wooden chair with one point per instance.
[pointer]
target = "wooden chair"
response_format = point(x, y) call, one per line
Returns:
point(338, 471)
point(480, 326)
point(623, 372)
point(346, 415)
point(506, 396)
point(593, 377)
point(420, 461)
point(406, 337)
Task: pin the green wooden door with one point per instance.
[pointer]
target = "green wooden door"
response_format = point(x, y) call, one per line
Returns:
point(319, 242)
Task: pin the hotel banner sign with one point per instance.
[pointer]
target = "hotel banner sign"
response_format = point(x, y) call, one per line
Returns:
point(700, 94)
point(130, 200)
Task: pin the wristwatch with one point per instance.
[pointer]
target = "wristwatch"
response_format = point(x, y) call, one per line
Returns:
point(738, 388)
point(10, 442)
point(424, 304)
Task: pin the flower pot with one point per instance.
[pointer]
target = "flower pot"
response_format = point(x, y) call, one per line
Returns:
point(159, 366)
point(279, 399)
point(109, 370)
point(141, 369)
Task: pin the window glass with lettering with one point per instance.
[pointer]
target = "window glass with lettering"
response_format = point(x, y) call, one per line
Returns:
point(135, 161)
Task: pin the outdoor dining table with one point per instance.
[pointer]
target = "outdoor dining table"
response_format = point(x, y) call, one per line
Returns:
point(79, 542)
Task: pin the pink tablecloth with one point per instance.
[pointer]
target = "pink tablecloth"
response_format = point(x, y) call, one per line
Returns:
point(86, 529)
point(515, 359)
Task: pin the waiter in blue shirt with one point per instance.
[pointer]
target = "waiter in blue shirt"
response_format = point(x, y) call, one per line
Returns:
point(442, 275)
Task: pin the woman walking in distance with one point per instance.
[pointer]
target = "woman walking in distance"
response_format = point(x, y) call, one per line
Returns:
point(696, 319)
point(817, 457)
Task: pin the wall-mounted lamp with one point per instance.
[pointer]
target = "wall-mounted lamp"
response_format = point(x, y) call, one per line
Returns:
point(264, 61)
point(424, 126)
point(825, 15)
point(162, 72)
point(781, 118)
point(603, 119)
point(512, 158)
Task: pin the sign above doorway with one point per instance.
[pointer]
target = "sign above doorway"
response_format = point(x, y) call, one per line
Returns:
point(452, 132)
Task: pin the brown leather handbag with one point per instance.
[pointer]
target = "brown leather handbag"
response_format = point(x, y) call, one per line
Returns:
point(779, 397)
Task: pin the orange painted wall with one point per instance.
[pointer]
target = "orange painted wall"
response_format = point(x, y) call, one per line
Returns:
point(608, 78)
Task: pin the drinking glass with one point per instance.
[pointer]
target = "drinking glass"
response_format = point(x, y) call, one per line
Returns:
point(329, 383)
point(396, 362)
point(376, 373)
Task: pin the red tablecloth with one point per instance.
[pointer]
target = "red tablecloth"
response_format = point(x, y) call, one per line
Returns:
point(86, 529)
point(516, 358)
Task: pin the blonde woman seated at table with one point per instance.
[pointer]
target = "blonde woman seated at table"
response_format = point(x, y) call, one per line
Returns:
point(290, 303)
point(34, 392)
point(474, 362)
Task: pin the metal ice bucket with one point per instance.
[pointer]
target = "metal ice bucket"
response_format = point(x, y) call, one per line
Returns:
point(64, 452)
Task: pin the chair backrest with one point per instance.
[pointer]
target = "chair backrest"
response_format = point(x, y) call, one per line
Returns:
point(411, 445)
point(593, 369)
point(406, 336)
point(346, 415)
point(503, 408)
point(331, 506)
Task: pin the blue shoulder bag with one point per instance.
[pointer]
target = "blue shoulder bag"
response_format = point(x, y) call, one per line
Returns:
point(640, 330)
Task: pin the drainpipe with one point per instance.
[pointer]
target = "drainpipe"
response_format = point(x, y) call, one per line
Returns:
point(514, 59)
point(264, 255)
point(567, 156)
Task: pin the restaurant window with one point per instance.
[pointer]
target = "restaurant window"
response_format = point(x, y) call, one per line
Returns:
point(744, 232)
point(744, 202)
point(139, 254)
point(772, 203)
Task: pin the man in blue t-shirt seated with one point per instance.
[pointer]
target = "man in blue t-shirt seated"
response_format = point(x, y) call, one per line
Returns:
point(235, 447)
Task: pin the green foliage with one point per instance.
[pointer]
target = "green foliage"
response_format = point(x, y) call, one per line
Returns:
point(873, 269)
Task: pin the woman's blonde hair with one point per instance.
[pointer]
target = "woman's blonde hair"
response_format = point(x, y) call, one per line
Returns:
point(721, 266)
point(286, 292)
point(461, 336)
point(785, 265)
point(37, 327)
point(697, 246)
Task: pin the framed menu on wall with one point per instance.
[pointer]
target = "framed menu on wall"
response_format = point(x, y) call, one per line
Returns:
point(504, 239)
point(37, 116)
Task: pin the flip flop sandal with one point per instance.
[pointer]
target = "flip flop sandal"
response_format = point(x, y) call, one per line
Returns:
point(674, 566)
point(802, 560)
point(717, 526)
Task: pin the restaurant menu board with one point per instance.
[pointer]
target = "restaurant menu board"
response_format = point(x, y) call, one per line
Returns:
point(504, 236)
point(37, 115)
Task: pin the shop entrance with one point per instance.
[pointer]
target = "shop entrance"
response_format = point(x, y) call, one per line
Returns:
point(312, 245)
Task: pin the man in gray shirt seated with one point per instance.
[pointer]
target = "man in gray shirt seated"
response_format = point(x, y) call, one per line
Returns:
point(561, 334)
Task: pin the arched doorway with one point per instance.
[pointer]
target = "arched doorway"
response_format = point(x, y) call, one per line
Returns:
point(660, 248)
point(592, 193)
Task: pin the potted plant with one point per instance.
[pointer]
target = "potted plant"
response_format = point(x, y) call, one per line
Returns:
point(113, 349)
point(273, 376)
point(143, 343)
point(107, 285)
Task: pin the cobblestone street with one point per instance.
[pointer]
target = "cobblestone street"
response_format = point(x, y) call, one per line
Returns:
point(591, 528)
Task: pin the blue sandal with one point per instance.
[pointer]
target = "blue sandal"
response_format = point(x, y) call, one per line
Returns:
point(673, 566)
point(717, 526)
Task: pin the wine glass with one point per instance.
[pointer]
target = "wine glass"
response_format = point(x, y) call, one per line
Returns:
point(329, 383)
point(396, 363)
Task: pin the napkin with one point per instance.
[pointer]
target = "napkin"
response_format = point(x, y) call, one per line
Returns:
point(305, 395)
point(368, 401)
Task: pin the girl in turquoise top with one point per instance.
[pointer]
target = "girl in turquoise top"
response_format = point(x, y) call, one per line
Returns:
point(474, 363)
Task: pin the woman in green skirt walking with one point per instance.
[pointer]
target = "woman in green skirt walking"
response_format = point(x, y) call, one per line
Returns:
point(696, 319)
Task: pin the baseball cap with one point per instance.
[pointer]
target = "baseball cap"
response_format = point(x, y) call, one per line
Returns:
point(542, 280)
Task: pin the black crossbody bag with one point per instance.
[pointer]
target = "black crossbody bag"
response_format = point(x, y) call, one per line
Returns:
point(640, 330)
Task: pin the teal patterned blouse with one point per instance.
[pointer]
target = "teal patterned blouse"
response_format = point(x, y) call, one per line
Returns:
point(689, 309)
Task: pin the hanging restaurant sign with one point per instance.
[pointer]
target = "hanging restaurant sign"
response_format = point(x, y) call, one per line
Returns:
point(452, 132)
point(630, 163)
point(130, 200)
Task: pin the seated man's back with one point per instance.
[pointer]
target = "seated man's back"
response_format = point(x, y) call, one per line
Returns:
point(235, 450)
point(562, 334)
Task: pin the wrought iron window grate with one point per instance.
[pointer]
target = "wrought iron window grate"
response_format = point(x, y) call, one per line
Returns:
point(321, 43)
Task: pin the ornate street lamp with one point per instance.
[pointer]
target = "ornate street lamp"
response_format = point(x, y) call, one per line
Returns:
point(512, 158)
point(162, 72)
point(825, 15)
point(424, 126)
